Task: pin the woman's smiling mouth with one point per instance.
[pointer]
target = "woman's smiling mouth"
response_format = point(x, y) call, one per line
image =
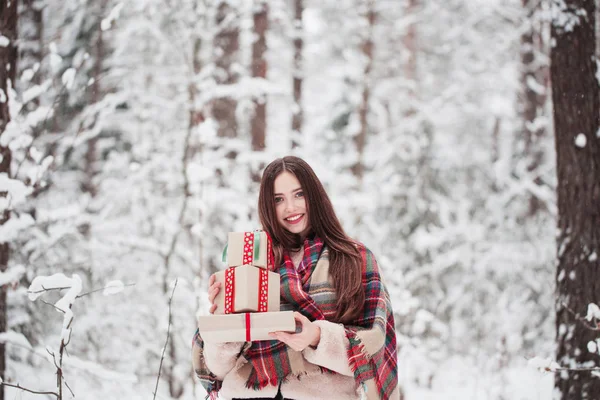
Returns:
point(294, 219)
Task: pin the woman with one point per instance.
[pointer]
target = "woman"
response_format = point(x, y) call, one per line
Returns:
point(347, 347)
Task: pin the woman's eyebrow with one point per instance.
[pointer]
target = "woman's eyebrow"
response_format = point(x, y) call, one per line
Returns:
point(293, 191)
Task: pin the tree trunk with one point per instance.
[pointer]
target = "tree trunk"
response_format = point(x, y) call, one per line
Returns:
point(259, 70)
point(297, 110)
point(96, 95)
point(8, 68)
point(532, 97)
point(576, 104)
point(226, 46)
point(367, 49)
point(32, 42)
point(409, 41)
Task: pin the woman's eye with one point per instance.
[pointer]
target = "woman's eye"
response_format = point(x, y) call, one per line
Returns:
point(278, 200)
point(299, 194)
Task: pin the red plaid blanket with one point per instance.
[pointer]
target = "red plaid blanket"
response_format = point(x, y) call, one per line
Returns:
point(374, 329)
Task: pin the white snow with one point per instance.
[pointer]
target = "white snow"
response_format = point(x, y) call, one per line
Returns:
point(13, 227)
point(35, 91)
point(4, 41)
point(99, 371)
point(535, 86)
point(593, 312)
point(55, 62)
point(113, 16)
point(68, 299)
point(15, 338)
point(443, 202)
point(113, 287)
point(68, 77)
point(41, 284)
point(12, 274)
point(27, 75)
point(544, 364)
point(581, 140)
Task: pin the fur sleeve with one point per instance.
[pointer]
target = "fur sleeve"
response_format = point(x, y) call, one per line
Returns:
point(212, 361)
point(332, 350)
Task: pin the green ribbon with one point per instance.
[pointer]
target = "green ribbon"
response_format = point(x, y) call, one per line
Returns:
point(224, 256)
point(256, 248)
point(256, 245)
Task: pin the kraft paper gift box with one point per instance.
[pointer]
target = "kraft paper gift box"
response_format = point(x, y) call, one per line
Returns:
point(249, 248)
point(245, 327)
point(247, 289)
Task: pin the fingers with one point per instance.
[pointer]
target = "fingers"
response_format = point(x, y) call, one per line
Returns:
point(213, 291)
point(287, 339)
point(296, 342)
point(282, 336)
point(300, 318)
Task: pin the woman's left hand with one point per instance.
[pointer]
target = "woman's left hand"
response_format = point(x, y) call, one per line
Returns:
point(310, 335)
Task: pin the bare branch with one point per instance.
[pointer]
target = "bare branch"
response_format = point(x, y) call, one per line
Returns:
point(97, 290)
point(29, 390)
point(68, 387)
point(581, 319)
point(68, 287)
point(162, 357)
point(52, 305)
point(47, 290)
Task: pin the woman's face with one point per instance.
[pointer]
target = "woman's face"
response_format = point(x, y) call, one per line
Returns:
point(290, 204)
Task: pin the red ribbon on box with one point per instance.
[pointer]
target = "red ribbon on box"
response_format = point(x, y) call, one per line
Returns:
point(248, 330)
point(247, 255)
point(250, 250)
point(229, 290)
point(263, 290)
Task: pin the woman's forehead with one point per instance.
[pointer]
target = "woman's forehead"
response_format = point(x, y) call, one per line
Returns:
point(286, 182)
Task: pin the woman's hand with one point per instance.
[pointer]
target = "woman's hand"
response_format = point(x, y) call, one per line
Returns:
point(213, 291)
point(310, 335)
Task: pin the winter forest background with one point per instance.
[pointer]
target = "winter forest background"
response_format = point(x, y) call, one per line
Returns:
point(139, 129)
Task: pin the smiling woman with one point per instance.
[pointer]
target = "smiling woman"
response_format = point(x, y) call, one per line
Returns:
point(290, 204)
point(346, 349)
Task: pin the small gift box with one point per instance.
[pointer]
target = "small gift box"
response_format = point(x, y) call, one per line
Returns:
point(247, 289)
point(249, 248)
point(245, 327)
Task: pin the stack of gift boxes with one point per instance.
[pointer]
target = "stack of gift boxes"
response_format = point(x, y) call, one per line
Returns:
point(248, 302)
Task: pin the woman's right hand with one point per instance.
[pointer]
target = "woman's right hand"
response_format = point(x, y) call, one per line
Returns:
point(213, 290)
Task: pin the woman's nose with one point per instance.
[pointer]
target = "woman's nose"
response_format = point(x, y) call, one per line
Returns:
point(289, 205)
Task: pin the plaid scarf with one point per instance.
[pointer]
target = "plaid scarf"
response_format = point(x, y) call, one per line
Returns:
point(372, 337)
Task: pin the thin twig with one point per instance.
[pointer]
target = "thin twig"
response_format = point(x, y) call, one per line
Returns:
point(581, 319)
point(28, 390)
point(47, 290)
point(162, 357)
point(69, 287)
point(68, 387)
point(97, 290)
point(52, 305)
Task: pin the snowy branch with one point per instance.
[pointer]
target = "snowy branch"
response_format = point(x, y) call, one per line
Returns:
point(68, 287)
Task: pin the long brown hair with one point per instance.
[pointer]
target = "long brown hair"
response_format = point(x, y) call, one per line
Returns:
point(345, 261)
